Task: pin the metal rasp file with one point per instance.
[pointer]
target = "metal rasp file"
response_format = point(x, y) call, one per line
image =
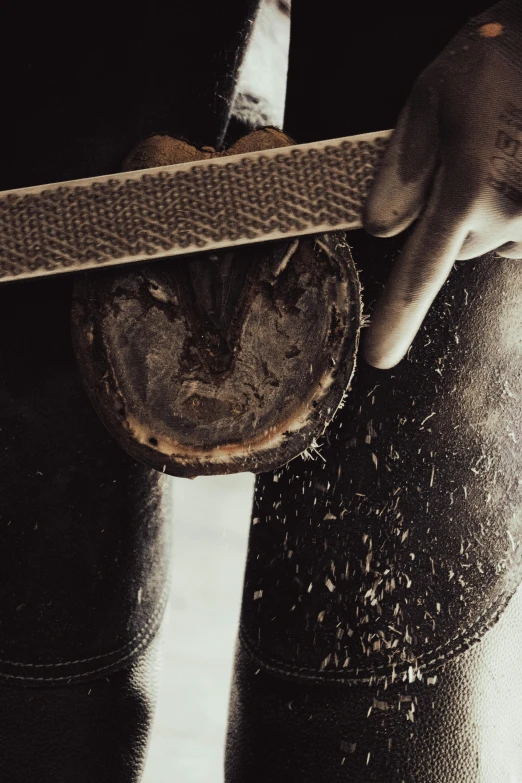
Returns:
point(192, 207)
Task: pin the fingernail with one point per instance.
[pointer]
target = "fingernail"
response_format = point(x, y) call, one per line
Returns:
point(377, 229)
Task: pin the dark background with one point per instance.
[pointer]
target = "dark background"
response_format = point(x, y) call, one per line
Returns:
point(82, 84)
point(352, 65)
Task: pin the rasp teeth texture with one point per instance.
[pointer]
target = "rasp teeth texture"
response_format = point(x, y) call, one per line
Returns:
point(176, 210)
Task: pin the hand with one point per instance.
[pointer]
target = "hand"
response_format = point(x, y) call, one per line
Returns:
point(454, 164)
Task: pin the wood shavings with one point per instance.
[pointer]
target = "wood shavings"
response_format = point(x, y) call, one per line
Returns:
point(326, 661)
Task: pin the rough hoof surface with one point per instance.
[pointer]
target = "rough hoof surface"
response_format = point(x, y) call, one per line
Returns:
point(220, 362)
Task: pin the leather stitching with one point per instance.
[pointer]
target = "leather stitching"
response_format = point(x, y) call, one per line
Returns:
point(147, 630)
point(382, 672)
point(73, 677)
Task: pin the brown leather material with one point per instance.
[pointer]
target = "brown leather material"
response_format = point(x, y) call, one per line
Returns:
point(85, 536)
point(380, 621)
point(412, 546)
point(462, 728)
point(221, 362)
point(84, 529)
point(85, 732)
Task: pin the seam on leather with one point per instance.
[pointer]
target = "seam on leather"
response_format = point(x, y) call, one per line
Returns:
point(381, 672)
point(153, 621)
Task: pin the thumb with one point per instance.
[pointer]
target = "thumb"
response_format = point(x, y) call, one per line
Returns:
point(401, 186)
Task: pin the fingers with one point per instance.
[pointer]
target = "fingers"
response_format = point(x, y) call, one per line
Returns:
point(419, 273)
point(478, 243)
point(510, 250)
point(403, 181)
point(493, 227)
